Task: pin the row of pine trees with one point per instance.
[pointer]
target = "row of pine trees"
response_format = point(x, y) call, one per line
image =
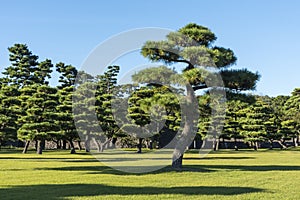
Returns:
point(33, 110)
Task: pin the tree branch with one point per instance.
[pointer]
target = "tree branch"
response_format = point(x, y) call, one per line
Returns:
point(183, 61)
point(199, 87)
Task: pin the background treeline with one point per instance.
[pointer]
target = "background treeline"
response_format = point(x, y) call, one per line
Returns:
point(34, 111)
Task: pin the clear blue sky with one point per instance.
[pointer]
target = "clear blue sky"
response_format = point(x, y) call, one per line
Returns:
point(263, 34)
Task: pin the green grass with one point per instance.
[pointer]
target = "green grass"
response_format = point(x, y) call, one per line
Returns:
point(220, 175)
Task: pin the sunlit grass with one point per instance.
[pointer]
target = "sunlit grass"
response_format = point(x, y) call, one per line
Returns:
point(220, 175)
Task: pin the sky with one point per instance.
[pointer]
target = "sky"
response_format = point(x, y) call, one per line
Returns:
point(263, 34)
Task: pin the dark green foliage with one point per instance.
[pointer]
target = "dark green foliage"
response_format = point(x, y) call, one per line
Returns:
point(239, 80)
point(40, 122)
point(9, 110)
point(105, 97)
point(84, 112)
point(192, 46)
point(25, 68)
point(65, 108)
point(291, 119)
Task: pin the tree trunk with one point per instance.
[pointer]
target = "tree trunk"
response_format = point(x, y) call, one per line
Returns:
point(87, 142)
point(236, 148)
point(26, 146)
point(216, 144)
point(282, 144)
point(150, 144)
point(114, 140)
point(57, 144)
point(72, 147)
point(271, 144)
point(295, 141)
point(139, 146)
point(190, 116)
point(106, 143)
point(255, 146)
point(64, 145)
point(224, 143)
point(298, 139)
point(177, 164)
point(39, 147)
point(43, 144)
point(79, 145)
point(36, 145)
point(98, 144)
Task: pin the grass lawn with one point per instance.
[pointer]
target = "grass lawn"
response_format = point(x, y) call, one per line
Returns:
point(220, 175)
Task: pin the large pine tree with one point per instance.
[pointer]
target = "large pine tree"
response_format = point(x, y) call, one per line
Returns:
point(193, 47)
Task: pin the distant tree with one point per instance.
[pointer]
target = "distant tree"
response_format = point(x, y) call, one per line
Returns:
point(27, 74)
point(291, 122)
point(9, 110)
point(84, 107)
point(40, 121)
point(25, 68)
point(274, 128)
point(105, 93)
point(24, 65)
point(254, 127)
point(65, 109)
point(233, 124)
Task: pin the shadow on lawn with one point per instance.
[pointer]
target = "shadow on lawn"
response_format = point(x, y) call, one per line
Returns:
point(219, 158)
point(187, 168)
point(59, 191)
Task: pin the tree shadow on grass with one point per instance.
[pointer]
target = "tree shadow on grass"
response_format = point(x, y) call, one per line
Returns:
point(59, 191)
point(187, 168)
point(256, 168)
point(124, 170)
point(219, 158)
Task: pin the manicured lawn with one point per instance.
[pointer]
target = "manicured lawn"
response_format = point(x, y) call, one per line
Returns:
point(221, 175)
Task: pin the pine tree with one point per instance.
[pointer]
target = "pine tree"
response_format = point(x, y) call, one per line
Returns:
point(65, 109)
point(233, 125)
point(106, 91)
point(40, 122)
point(84, 109)
point(254, 123)
point(291, 122)
point(192, 46)
point(27, 74)
point(23, 66)
point(9, 111)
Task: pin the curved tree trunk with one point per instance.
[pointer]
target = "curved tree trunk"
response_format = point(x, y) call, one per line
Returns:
point(98, 144)
point(281, 143)
point(187, 136)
